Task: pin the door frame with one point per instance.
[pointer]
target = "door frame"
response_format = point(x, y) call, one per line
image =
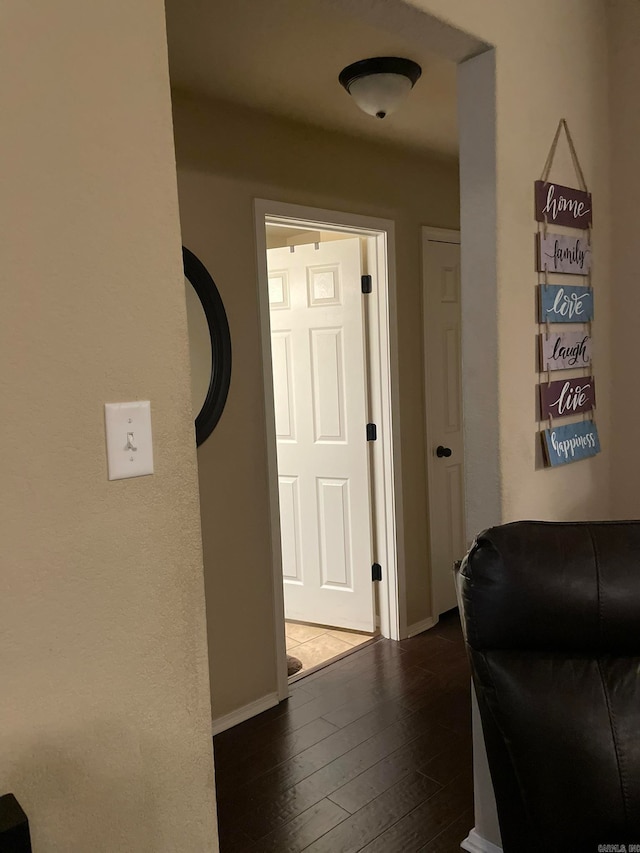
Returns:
point(433, 235)
point(384, 405)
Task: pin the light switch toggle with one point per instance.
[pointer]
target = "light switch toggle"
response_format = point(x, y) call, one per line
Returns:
point(129, 442)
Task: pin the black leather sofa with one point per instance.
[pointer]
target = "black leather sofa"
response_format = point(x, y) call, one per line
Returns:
point(551, 617)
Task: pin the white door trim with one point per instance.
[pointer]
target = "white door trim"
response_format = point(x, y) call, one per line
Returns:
point(475, 843)
point(440, 235)
point(384, 357)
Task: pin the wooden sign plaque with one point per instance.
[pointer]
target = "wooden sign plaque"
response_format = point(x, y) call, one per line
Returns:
point(571, 442)
point(560, 253)
point(560, 205)
point(564, 350)
point(567, 397)
point(565, 303)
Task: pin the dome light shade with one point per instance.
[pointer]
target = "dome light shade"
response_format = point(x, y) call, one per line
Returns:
point(379, 85)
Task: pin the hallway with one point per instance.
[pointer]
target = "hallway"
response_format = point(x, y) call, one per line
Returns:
point(372, 753)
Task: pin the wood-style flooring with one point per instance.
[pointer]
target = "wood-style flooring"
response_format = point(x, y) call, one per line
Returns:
point(371, 753)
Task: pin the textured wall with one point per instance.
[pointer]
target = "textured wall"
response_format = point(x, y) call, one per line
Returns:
point(104, 700)
point(624, 81)
point(219, 175)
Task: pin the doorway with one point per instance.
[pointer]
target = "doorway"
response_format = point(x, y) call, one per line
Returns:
point(328, 345)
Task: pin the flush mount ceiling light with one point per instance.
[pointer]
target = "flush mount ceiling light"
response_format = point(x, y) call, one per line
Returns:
point(378, 85)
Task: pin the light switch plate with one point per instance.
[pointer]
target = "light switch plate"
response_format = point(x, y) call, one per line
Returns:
point(129, 444)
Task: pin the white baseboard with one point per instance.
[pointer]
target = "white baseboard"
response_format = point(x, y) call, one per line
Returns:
point(221, 724)
point(419, 627)
point(475, 843)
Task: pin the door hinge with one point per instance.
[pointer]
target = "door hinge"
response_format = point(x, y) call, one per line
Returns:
point(367, 283)
point(372, 432)
point(376, 572)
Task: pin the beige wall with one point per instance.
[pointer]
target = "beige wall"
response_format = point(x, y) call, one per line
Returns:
point(227, 157)
point(624, 83)
point(531, 96)
point(104, 701)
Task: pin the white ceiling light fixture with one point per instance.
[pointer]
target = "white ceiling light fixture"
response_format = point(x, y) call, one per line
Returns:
point(380, 84)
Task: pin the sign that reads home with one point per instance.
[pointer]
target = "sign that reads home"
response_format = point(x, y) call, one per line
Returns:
point(561, 253)
point(567, 397)
point(560, 205)
point(565, 303)
point(571, 442)
point(563, 350)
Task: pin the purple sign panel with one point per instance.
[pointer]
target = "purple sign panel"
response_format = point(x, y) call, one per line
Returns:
point(564, 350)
point(560, 205)
point(567, 397)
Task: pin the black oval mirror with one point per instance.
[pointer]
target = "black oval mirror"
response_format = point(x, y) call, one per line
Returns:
point(209, 346)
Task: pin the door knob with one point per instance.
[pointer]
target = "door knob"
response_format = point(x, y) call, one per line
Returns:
point(443, 451)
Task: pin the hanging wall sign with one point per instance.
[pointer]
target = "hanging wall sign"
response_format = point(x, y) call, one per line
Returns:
point(560, 253)
point(571, 443)
point(560, 205)
point(565, 303)
point(563, 350)
point(567, 397)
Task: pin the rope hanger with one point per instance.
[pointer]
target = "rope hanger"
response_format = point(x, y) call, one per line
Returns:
point(562, 125)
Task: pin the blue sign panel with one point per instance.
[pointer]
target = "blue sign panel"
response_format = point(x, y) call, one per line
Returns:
point(565, 303)
point(571, 442)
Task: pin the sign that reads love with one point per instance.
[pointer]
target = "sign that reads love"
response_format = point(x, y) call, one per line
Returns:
point(567, 397)
point(571, 442)
point(565, 303)
point(561, 253)
point(563, 350)
point(560, 205)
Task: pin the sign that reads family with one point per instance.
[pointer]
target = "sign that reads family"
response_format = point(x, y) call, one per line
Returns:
point(560, 205)
point(561, 253)
point(571, 442)
point(567, 397)
point(563, 350)
point(565, 303)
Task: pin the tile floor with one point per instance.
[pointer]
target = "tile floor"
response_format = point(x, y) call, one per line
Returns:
point(316, 644)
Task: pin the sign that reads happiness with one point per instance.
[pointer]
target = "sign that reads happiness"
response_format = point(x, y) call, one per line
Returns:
point(571, 443)
point(559, 253)
point(565, 303)
point(564, 350)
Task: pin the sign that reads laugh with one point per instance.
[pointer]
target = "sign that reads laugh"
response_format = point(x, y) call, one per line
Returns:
point(563, 350)
point(571, 443)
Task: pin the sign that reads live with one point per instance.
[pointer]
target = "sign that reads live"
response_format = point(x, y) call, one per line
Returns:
point(565, 303)
point(567, 397)
point(571, 443)
point(563, 350)
point(561, 253)
point(560, 205)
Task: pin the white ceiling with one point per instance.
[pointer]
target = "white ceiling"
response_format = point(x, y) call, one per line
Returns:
point(284, 57)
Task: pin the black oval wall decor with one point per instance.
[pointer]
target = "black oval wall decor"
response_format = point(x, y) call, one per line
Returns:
point(204, 286)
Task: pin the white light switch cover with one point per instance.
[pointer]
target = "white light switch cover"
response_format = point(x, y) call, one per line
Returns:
point(129, 444)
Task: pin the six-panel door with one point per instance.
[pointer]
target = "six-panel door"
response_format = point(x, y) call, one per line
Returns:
point(319, 382)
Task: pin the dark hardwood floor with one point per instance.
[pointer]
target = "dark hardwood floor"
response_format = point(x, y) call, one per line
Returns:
point(371, 753)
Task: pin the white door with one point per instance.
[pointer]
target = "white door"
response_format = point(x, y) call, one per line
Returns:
point(319, 383)
point(443, 381)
